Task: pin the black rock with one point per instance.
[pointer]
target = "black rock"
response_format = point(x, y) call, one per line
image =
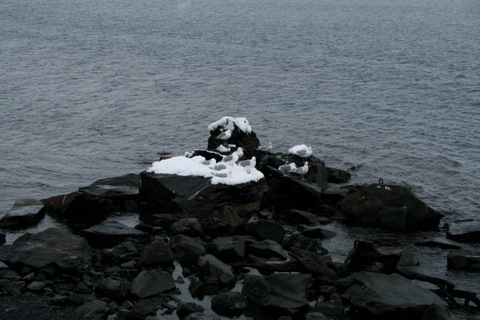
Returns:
point(186, 308)
point(186, 250)
point(50, 251)
point(122, 191)
point(24, 213)
point(197, 197)
point(464, 260)
point(282, 291)
point(188, 226)
point(387, 296)
point(389, 207)
point(215, 271)
point(267, 249)
point(229, 304)
point(269, 230)
point(116, 289)
point(464, 231)
point(79, 210)
point(152, 282)
point(230, 248)
point(365, 254)
point(216, 227)
point(111, 233)
point(157, 253)
point(301, 217)
point(306, 243)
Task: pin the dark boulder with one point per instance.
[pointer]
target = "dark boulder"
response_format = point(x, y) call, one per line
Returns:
point(93, 310)
point(229, 304)
point(162, 220)
point(198, 197)
point(230, 248)
point(113, 288)
point(365, 255)
point(188, 226)
point(186, 250)
point(50, 251)
point(287, 191)
point(268, 230)
point(283, 292)
point(152, 282)
point(316, 316)
point(215, 271)
point(267, 249)
point(111, 233)
point(464, 260)
point(122, 191)
point(216, 227)
point(464, 231)
point(186, 308)
point(437, 312)
point(79, 210)
point(378, 295)
point(315, 263)
point(157, 253)
point(389, 207)
point(24, 213)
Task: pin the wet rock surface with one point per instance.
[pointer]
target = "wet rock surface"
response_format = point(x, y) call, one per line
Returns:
point(23, 214)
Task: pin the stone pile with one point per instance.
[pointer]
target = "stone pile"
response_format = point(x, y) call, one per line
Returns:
point(255, 249)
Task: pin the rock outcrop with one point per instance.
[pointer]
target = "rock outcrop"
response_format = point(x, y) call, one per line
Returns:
point(23, 214)
point(387, 296)
point(196, 196)
point(389, 207)
point(264, 237)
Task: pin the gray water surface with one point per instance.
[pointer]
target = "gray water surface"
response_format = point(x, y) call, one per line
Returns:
point(94, 89)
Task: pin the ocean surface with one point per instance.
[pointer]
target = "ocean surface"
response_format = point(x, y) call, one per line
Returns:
point(95, 89)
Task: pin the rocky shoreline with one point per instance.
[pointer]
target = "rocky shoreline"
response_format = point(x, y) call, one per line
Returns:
point(255, 248)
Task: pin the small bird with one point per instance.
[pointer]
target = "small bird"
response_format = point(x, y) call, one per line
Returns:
point(266, 148)
point(302, 171)
point(287, 167)
point(302, 151)
point(239, 152)
point(231, 159)
point(225, 135)
point(248, 164)
point(219, 167)
point(210, 162)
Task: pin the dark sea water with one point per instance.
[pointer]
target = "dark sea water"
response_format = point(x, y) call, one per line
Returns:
point(95, 89)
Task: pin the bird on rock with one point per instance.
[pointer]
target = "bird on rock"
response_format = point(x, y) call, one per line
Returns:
point(210, 162)
point(288, 167)
point(239, 152)
point(267, 148)
point(302, 151)
point(225, 135)
point(230, 159)
point(302, 171)
point(248, 164)
point(220, 167)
